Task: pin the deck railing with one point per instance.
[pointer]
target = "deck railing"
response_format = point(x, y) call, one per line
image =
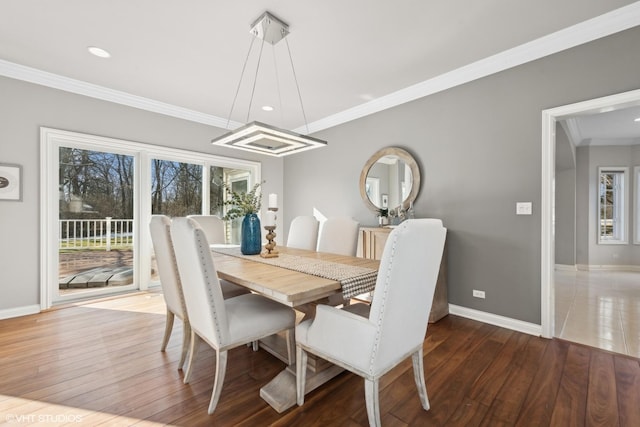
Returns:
point(105, 233)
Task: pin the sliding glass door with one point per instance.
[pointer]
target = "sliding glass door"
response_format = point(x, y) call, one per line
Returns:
point(98, 195)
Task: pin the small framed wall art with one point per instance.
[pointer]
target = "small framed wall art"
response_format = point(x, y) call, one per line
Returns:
point(10, 182)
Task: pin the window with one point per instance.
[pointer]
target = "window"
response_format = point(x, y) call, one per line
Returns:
point(612, 205)
point(176, 188)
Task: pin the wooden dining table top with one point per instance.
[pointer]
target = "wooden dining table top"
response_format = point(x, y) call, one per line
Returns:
point(283, 285)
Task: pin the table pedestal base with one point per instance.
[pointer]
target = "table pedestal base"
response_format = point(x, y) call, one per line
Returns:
point(280, 393)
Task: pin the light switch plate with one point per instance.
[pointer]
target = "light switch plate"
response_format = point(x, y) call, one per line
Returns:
point(523, 208)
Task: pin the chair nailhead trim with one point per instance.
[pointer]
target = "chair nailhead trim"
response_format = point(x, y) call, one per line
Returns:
point(203, 253)
point(376, 344)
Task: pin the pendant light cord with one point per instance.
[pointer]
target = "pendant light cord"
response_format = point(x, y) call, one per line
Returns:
point(244, 66)
point(280, 109)
point(255, 80)
point(295, 78)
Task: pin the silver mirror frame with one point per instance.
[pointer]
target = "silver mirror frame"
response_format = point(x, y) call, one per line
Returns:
point(404, 156)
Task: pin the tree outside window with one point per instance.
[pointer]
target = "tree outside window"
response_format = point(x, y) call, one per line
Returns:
point(611, 205)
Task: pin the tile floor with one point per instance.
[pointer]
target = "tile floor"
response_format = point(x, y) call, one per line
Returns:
point(600, 309)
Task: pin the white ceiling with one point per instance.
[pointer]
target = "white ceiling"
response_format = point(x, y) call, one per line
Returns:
point(351, 57)
point(609, 128)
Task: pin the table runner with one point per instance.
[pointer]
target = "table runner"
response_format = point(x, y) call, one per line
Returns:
point(353, 279)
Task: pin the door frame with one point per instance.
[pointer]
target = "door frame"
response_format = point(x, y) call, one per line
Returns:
point(50, 142)
point(549, 119)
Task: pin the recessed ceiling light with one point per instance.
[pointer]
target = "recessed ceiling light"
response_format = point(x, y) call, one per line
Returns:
point(99, 52)
point(267, 108)
point(637, 119)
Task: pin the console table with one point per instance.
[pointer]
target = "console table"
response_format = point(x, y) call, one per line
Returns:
point(371, 241)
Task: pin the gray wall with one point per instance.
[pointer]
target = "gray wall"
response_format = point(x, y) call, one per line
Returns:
point(565, 200)
point(607, 255)
point(24, 107)
point(478, 146)
point(479, 149)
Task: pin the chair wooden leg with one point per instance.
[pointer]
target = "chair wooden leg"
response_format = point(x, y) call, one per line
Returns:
point(167, 329)
point(186, 339)
point(221, 369)
point(371, 394)
point(301, 374)
point(418, 375)
point(195, 341)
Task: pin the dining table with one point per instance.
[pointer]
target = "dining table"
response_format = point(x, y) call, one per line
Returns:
point(300, 279)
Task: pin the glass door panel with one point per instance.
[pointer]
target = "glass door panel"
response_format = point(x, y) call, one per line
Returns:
point(239, 183)
point(95, 223)
point(176, 191)
point(176, 188)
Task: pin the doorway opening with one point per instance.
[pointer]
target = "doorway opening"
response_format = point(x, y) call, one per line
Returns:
point(550, 118)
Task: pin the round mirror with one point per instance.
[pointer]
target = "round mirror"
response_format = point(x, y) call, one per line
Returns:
point(390, 179)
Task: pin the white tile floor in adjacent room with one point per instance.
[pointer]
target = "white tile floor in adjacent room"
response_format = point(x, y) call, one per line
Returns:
point(600, 309)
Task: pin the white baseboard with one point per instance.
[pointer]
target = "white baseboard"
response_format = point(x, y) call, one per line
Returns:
point(587, 267)
point(494, 319)
point(566, 267)
point(19, 311)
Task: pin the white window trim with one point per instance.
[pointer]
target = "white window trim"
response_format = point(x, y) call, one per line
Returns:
point(623, 239)
point(636, 205)
point(50, 142)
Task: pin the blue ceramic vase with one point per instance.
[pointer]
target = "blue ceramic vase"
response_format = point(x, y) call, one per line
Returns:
point(251, 235)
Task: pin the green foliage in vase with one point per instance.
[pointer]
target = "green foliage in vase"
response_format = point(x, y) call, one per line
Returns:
point(242, 203)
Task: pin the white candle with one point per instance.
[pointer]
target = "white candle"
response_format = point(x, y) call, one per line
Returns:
point(273, 200)
point(270, 219)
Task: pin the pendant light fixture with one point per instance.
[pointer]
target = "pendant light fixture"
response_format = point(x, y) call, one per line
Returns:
point(259, 137)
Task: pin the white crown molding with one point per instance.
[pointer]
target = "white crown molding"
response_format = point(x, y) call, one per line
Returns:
point(44, 78)
point(601, 26)
point(604, 25)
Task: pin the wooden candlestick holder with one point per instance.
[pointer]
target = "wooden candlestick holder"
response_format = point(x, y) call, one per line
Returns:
point(270, 248)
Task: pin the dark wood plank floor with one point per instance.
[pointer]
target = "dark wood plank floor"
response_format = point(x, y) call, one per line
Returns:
point(99, 363)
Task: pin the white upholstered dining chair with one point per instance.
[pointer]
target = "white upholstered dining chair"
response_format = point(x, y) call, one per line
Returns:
point(159, 226)
point(303, 233)
point(222, 323)
point(170, 281)
point(371, 340)
point(339, 235)
point(213, 228)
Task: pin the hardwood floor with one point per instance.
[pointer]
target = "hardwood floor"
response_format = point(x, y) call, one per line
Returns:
point(99, 363)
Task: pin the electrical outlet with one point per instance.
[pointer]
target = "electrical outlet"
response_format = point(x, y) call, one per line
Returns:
point(523, 208)
point(478, 294)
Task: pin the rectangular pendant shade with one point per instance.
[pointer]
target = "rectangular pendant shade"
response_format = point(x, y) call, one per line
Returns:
point(265, 139)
